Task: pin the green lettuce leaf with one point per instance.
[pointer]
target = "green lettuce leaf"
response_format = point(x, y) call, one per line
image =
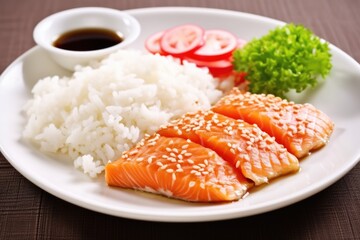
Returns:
point(288, 57)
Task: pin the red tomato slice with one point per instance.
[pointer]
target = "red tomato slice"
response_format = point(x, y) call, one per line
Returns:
point(182, 40)
point(219, 44)
point(216, 68)
point(152, 43)
point(239, 78)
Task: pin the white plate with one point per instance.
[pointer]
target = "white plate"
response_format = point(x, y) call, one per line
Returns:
point(338, 96)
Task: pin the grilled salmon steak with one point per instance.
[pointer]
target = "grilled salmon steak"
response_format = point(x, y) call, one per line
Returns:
point(177, 168)
point(301, 128)
point(253, 152)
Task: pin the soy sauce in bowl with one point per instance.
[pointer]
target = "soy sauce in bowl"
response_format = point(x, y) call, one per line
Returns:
point(124, 27)
point(88, 39)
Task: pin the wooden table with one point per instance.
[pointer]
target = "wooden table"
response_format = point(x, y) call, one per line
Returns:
point(28, 212)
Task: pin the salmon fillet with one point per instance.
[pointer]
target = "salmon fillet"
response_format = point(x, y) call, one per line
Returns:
point(253, 152)
point(177, 168)
point(301, 128)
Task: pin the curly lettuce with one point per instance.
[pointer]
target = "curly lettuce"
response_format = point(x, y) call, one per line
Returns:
point(288, 57)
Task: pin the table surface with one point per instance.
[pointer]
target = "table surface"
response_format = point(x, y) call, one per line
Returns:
point(28, 212)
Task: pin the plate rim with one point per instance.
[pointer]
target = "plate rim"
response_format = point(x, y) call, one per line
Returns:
point(219, 215)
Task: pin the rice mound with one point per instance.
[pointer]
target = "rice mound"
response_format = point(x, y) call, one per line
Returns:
point(104, 109)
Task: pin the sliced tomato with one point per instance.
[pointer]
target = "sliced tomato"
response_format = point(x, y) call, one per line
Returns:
point(182, 40)
point(152, 43)
point(239, 77)
point(216, 68)
point(219, 45)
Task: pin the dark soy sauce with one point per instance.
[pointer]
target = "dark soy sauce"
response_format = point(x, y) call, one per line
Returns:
point(88, 39)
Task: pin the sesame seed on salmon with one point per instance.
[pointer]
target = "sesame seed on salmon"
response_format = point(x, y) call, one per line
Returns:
point(255, 154)
point(301, 128)
point(177, 168)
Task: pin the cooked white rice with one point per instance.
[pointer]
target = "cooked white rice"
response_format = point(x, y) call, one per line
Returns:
point(104, 109)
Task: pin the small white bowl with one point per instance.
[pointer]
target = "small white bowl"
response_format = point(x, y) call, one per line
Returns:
point(51, 27)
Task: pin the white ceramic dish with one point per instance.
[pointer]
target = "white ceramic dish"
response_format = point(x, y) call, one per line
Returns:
point(51, 27)
point(338, 96)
